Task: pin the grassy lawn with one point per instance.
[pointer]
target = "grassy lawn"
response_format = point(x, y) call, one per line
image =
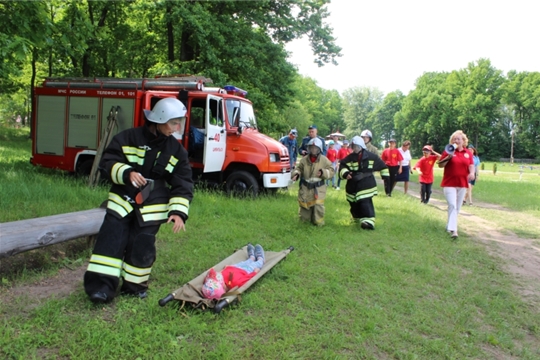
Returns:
point(403, 291)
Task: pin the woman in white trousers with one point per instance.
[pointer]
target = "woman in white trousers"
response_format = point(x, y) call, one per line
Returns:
point(458, 170)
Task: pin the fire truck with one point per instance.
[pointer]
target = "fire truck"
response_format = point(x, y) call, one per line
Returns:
point(220, 134)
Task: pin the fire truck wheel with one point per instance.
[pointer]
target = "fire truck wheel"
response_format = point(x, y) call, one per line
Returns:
point(85, 167)
point(242, 183)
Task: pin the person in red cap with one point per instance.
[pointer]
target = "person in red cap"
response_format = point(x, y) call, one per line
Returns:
point(217, 283)
point(424, 166)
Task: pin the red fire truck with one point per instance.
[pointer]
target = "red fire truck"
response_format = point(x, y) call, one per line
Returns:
point(221, 135)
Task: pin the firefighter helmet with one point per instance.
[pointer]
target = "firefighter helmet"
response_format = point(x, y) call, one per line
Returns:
point(316, 142)
point(358, 142)
point(366, 133)
point(165, 110)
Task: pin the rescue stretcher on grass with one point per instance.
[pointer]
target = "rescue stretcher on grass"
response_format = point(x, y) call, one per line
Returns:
point(190, 294)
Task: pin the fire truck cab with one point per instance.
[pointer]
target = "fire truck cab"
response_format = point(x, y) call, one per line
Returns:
point(220, 134)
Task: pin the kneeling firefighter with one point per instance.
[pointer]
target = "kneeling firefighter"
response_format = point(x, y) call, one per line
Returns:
point(357, 168)
point(313, 170)
point(152, 184)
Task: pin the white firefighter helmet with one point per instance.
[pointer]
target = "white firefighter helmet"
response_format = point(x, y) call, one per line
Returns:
point(366, 133)
point(165, 110)
point(358, 142)
point(316, 142)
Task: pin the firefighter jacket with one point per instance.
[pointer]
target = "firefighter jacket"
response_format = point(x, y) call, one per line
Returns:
point(160, 158)
point(312, 183)
point(372, 148)
point(361, 167)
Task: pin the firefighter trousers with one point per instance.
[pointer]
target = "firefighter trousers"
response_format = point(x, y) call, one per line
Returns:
point(363, 210)
point(123, 249)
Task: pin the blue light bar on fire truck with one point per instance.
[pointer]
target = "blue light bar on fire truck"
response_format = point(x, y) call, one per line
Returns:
point(233, 90)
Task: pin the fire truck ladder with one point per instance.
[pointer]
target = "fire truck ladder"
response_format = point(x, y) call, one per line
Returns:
point(93, 179)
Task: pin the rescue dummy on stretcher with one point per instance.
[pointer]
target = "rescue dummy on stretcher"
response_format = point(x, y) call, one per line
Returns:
point(222, 285)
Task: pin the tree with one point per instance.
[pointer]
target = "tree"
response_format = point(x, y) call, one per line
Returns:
point(476, 92)
point(382, 118)
point(358, 105)
point(521, 94)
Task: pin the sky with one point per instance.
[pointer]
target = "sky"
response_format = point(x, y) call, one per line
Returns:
point(389, 44)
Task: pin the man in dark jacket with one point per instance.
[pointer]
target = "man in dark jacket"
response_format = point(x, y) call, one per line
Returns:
point(357, 168)
point(312, 134)
point(152, 185)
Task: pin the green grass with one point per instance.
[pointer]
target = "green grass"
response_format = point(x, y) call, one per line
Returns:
point(403, 291)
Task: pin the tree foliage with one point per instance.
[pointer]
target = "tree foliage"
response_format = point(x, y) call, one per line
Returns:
point(239, 42)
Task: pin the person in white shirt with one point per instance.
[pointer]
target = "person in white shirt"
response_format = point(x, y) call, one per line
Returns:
point(405, 165)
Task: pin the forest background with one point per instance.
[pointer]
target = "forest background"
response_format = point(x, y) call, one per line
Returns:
point(243, 43)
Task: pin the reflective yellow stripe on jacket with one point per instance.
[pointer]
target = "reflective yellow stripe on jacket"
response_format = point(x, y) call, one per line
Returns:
point(179, 204)
point(119, 205)
point(134, 155)
point(117, 173)
point(156, 212)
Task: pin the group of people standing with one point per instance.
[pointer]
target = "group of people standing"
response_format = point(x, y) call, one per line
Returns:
point(358, 163)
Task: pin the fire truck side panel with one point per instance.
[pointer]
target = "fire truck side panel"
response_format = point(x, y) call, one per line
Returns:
point(50, 125)
point(124, 117)
point(83, 118)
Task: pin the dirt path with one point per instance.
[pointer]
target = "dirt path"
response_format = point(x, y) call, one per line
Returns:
point(521, 256)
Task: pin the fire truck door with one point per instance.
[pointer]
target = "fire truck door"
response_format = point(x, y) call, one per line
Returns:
point(216, 136)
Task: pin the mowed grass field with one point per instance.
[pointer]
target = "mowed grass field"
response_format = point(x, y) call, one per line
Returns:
point(403, 291)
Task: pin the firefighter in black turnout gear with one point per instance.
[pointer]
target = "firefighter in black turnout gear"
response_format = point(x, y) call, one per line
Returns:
point(357, 168)
point(152, 185)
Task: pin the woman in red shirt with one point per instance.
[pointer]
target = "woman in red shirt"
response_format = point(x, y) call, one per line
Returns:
point(392, 158)
point(457, 173)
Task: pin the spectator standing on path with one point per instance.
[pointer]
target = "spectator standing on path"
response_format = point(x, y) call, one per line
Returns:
point(331, 154)
point(392, 158)
point(312, 170)
point(424, 166)
point(368, 138)
point(476, 160)
point(292, 145)
point(151, 185)
point(405, 165)
point(312, 134)
point(357, 168)
point(337, 145)
point(342, 154)
point(458, 171)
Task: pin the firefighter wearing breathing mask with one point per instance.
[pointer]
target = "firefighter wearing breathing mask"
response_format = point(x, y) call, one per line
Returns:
point(312, 171)
point(357, 168)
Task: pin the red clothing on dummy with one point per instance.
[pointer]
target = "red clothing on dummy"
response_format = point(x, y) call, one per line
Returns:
point(457, 169)
point(391, 157)
point(426, 164)
point(331, 154)
point(234, 276)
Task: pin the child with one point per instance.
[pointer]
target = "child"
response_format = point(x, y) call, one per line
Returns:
point(233, 276)
point(424, 166)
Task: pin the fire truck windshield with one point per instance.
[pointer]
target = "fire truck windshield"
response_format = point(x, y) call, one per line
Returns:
point(240, 113)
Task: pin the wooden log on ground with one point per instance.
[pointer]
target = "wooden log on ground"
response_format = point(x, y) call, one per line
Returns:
point(24, 235)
